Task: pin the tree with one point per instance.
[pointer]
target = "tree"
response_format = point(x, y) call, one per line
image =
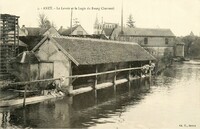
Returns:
point(188, 40)
point(76, 22)
point(195, 49)
point(44, 21)
point(130, 22)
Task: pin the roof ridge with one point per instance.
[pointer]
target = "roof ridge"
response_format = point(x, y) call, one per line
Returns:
point(150, 28)
point(92, 39)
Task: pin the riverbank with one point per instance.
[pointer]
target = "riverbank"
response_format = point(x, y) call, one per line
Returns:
point(166, 101)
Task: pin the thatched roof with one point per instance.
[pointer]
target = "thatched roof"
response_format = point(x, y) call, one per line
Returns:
point(93, 51)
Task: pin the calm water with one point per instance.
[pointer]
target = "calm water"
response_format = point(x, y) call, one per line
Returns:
point(172, 100)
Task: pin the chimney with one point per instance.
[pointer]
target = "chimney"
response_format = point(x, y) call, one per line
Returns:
point(23, 28)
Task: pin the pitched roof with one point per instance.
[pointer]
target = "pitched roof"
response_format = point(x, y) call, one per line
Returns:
point(93, 51)
point(33, 31)
point(31, 41)
point(108, 31)
point(26, 57)
point(68, 31)
point(36, 31)
point(147, 32)
point(191, 33)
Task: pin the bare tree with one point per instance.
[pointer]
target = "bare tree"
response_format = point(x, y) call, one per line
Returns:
point(76, 22)
point(130, 22)
point(44, 21)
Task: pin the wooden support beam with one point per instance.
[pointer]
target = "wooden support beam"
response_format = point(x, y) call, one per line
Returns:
point(150, 68)
point(114, 79)
point(121, 81)
point(129, 78)
point(141, 70)
point(104, 85)
point(129, 73)
point(81, 90)
point(75, 76)
point(24, 102)
point(95, 81)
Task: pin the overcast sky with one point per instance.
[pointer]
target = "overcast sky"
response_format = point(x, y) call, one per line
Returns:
point(181, 16)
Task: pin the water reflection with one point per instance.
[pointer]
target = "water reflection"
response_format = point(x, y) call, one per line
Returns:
point(140, 104)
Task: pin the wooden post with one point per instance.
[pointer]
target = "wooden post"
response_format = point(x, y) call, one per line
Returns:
point(129, 78)
point(150, 69)
point(71, 80)
point(114, 80)
point(95, 81)
point(141, 70)
point(24, 102)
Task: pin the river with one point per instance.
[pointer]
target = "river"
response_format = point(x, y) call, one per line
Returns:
point(170, 100)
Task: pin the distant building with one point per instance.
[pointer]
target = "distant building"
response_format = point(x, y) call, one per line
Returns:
point(32, 35)
point(74, 31)
point(191, 34)
point(36, 31)
point(156, 41)
point(179, 49)
point(107, 32)
point(103, 27)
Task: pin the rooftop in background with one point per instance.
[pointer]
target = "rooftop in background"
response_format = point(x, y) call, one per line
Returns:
point(36, 31)
point(26, 57)
point(69, 31)
point(148, 32)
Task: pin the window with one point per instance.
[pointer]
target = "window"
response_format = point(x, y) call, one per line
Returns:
point(166, 41)
point(145, 40)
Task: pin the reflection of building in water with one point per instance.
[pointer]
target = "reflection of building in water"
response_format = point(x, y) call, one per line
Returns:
point(4, 119)
point(63, 113)
point(39, 115)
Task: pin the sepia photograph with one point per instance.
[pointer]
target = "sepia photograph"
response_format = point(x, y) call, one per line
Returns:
point(100, 64)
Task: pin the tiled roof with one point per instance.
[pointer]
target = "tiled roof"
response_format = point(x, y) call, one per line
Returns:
point(147, 32)
point(33, 31)
point(108, 31)
point(36, 31)
point(93, 51)
point(68, 31)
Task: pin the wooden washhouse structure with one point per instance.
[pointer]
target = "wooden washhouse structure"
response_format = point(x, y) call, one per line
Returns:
point(9, 42)
point(84, 62)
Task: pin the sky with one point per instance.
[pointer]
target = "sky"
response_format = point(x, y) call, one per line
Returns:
point(181, 16)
